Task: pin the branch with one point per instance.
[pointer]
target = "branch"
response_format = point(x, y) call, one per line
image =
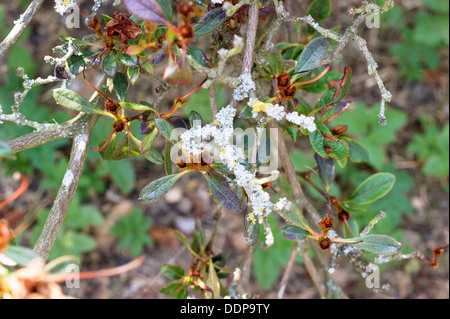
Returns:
point(20, 26)
point(251, 38)
point(51, 133)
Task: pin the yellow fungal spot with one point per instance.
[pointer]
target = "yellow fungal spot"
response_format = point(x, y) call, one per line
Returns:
point(251, 218)
point(259, 106)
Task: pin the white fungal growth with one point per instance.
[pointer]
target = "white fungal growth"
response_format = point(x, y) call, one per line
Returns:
point(61, 6)
point(68, 179)
point(243, 90)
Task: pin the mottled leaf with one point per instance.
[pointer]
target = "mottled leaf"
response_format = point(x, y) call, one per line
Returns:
point(327, 170)
point(167, 130)
point(378, 244)
point(312, 55)
point(110, 65)
point(292, 232)
point(222, 192)
point(158, 188)
point(120, 83)
point(73, 101)
point(210, 22)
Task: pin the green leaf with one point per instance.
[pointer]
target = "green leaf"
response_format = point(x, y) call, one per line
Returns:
point(154, 156)
point(167, 159)
point(294, 215)
point(21, 255)
point(73, 101)
point(136, 107)
point(339, 149)
point(373, 188)
point(358, 152)
point(195, 119)
point(222, 192)
point(175, 289)
point(311, 56)
point(246, 112)
point(126, 147)
point(210, 22)
point(213, 281)
point(172, 272)
point(167, 130)
point(120, 83)
point(319, 10)
point(128, 60)
point(293, 132)
point(147, 142)
point(166, 7)
point(292, 232)
point(110, 65)
point(148, 67)
point(199, 56)
point(106, 18)
point(378, 244)
point(133, 74)
point(326, 169)
point(158, 188)
point(107, 152)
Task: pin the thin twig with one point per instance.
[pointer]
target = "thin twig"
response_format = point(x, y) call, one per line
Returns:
point(251, 38)
point(287, 272)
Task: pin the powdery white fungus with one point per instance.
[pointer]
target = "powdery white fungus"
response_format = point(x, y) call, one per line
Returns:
point(217, 1)
point(276, 111)
point(243, 90)
point(223, 53)
point(238, 41)
point(227, 5)
point(62, 6)
point(306, 122)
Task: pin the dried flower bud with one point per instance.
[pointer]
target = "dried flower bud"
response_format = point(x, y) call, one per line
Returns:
point(324, 243)
point(326, 223)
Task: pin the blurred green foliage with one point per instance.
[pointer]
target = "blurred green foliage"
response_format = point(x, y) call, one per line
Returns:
point(132, 232)
point(422, 36)
point(432, 148)
point(73, 238)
